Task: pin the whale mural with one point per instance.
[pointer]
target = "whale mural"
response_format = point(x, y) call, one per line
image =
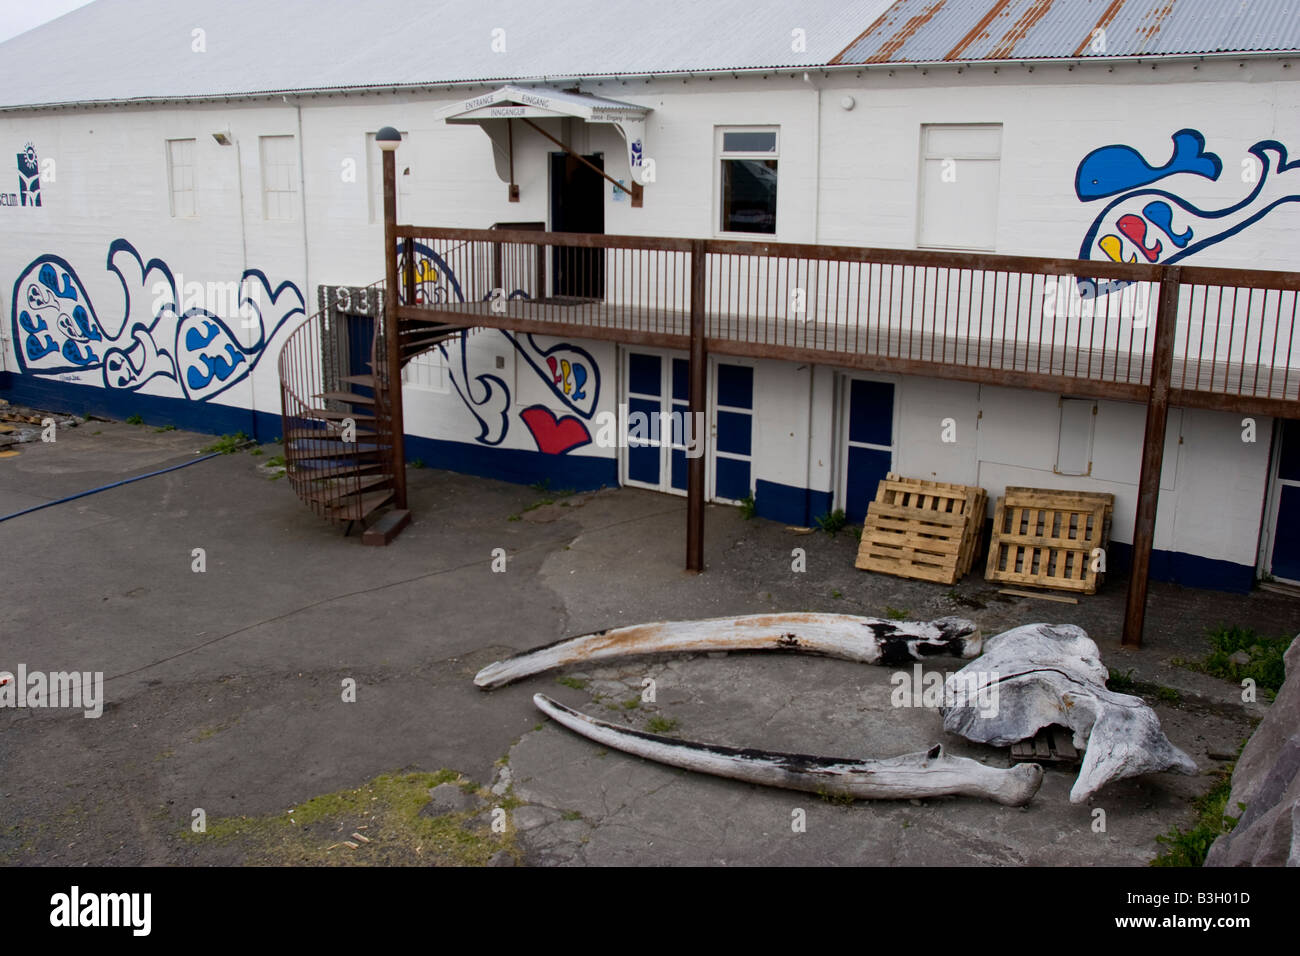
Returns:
point(1157, 225)
point(569, 373)
point(195, 354)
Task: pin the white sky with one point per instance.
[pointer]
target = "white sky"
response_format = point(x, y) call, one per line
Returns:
point(19, 16)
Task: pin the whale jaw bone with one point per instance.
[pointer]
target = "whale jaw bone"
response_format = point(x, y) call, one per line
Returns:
point(930, 773)
point(868, 640)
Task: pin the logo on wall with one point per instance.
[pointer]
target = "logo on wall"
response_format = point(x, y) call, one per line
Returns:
point(29, 177)
point(1147, 224)
point(29, 180)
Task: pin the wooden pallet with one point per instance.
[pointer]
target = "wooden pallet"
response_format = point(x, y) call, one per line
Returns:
point(1053, 744)
point(1044, 538)
point(927, 530)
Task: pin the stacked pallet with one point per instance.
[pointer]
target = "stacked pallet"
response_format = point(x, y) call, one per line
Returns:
point(928, 530)
point(1049, 539)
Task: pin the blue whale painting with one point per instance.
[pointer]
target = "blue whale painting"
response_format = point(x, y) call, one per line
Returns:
point(1157, 225)
point(195, 354)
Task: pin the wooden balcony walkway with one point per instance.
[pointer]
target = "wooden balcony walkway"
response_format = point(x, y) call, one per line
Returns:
point(1084, 372)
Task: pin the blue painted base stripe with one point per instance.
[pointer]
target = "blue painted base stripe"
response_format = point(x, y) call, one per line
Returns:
point(208, 417)
point(1189, 570)
point(788, 504)
point(581, 473)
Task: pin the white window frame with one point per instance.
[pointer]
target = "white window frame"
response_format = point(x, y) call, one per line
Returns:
point(927, 156)
point(428, 372)
point(172, 188)
point(719, 155)
point(269, 189)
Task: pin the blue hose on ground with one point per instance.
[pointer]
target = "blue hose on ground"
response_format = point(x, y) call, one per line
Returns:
point(116, 484)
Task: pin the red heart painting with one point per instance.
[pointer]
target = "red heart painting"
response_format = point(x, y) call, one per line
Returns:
point(554, 436)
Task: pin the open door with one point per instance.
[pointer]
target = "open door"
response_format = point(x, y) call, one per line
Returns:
point(577, 205)
point(1283, 557)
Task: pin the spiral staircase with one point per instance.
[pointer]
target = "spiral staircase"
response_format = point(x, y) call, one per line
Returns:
point(341, 455)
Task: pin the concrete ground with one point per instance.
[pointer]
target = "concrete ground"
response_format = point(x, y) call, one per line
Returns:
point(224, 687)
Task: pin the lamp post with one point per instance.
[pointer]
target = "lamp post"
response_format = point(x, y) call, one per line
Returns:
point(388, 140)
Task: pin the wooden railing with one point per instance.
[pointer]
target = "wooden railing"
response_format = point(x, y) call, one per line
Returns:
point(1064, 325)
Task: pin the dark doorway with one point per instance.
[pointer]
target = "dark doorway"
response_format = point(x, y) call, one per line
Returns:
point(577, 205)
point(360, 336)
point(1285, 559)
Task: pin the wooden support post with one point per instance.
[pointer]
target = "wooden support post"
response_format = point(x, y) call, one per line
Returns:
point(1153, 455)
point(698, 405)
point(393, 373)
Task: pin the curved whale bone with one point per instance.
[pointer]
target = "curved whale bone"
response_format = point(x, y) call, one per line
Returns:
point(870, 640)
point(930, 773)
point(1042, 674)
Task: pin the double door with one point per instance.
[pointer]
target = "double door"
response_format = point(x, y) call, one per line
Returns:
point(656, 391)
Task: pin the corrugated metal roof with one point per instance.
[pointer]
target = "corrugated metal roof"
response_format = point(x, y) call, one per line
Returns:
point(117, 50)
point(929, 31)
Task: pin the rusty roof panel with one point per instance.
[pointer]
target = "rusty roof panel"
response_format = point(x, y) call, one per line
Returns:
point(914, 31)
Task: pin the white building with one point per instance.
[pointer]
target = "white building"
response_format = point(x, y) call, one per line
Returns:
point(230, 146)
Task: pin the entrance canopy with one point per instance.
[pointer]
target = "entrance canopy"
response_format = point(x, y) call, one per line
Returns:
point(495, 111)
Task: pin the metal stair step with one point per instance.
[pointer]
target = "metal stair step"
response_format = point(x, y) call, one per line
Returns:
point(366, 380)
point(339, 489)
point(330, 415)
point(351, 398)
point(412, 347)
point(386, 528)
point(358, 507)
point(314, 434)
point(312, 469)
point(303, 449)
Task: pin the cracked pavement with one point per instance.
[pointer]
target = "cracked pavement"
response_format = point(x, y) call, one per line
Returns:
point(223, 687)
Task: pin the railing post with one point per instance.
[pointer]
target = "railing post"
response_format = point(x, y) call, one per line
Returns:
point(393, 363)
point(698, 405)
point(1153, 455)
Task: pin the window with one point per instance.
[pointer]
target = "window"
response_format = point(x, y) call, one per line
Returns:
point(1074, 446)
point(279, 177)
point(375, 176)
point(180, 178)
point(959, 186)
point(427, 372)
point(747, 159)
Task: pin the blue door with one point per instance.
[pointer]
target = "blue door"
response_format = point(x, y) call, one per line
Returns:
point(1285, 560)
point(657, 385)
point(869, 443)
point(733, 443)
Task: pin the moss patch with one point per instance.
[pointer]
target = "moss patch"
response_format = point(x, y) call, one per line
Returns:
point(1264, 665)
point(1189, 847)
point(386, 812)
